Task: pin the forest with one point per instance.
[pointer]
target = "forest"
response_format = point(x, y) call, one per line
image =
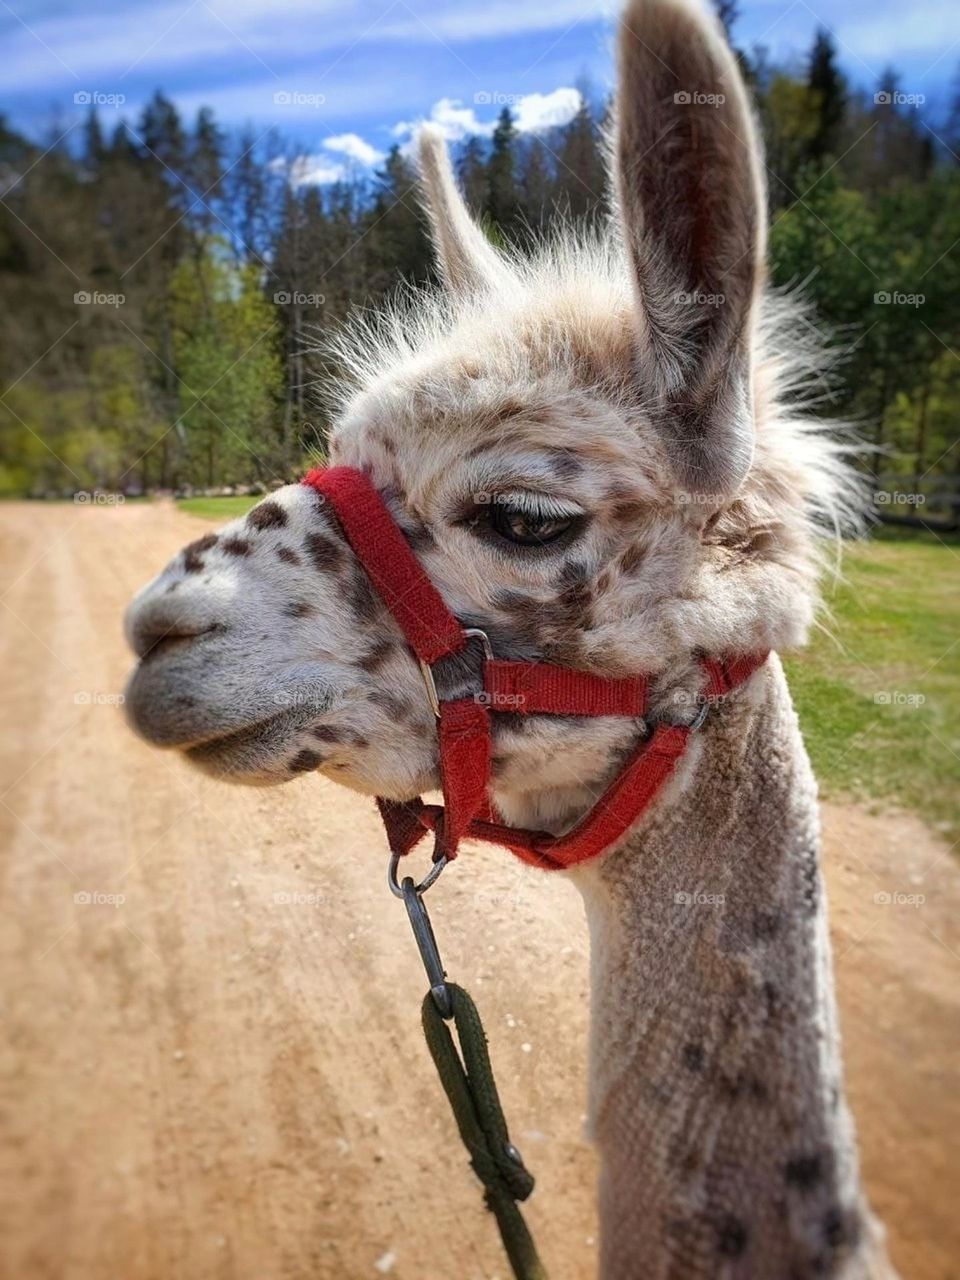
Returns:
point(167, 284)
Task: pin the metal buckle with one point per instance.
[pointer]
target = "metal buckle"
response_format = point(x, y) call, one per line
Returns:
point(430, 878)
point(427, 673)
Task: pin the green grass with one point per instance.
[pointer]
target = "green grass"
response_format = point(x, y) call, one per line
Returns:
point(894, 630)
point(217, 508)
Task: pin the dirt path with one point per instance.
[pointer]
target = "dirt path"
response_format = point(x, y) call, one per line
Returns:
point(221, 1076)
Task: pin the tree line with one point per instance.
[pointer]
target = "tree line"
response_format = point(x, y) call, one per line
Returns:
point(165, 286)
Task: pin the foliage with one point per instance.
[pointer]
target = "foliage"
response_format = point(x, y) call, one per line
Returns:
point(214, 272)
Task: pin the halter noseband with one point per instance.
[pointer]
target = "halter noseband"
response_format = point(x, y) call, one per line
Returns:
point(525, 688)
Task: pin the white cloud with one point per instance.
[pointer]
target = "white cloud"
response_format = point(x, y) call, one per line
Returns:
point(454, 121)
point(354, 148)
point(306, 171)
point(313, 170)
point(532, 113)
point(536, 112)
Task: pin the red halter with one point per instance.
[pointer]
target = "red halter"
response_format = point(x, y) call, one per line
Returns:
point(527, 688)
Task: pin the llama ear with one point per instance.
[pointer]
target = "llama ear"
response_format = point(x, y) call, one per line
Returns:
point(467, 259)
point(692, 204)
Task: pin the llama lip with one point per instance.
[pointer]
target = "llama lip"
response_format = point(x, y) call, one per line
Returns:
point(169, 708)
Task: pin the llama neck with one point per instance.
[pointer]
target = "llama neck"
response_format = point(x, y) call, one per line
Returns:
point(716, 1086)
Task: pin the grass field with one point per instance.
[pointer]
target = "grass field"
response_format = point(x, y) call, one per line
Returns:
point(878, 690)
point(879, 696)
point(217, 508)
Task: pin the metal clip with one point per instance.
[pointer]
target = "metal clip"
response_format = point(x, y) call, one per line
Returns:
point(427, 946)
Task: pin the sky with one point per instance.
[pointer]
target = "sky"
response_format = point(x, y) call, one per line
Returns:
point(345, 79)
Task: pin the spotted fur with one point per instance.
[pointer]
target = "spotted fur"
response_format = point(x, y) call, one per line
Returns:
point(578, 377)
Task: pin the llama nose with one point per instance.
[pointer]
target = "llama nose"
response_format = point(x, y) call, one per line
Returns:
point(166, 616)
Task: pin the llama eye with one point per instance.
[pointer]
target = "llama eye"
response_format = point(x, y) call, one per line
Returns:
point(528, 528)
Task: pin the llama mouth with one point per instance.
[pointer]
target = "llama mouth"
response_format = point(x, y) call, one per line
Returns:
point(196, 713)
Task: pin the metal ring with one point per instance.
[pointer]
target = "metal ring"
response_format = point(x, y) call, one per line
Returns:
point(426, 671)
point(429, 879)
point(696, 723)
point(701, 716)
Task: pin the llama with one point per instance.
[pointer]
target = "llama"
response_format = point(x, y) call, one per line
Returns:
point(591, 452)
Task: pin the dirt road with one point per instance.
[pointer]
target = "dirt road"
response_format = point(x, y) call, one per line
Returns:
point(214, 1068)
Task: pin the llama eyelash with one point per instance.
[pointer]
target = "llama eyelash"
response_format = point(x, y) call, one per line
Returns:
point(539, 506)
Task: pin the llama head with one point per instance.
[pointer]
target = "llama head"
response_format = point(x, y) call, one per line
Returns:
point(584, 448)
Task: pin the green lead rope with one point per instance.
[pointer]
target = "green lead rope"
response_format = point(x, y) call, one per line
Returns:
point(472, 1091)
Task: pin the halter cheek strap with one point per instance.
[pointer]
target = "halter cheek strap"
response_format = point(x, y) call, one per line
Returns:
point(524, 688)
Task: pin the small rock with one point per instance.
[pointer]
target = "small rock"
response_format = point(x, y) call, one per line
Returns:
point(386, 1263)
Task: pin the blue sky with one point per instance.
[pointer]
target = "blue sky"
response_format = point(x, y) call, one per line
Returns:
point(344, 78)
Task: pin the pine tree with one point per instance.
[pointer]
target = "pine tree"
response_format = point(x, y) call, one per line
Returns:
point(828, 92)
point(94, 147)
point(580, 172)
point(728, 12)
point(502, 203)
point(472, 173)
point(536, 185)
point(205, 170)
point(161, 135)
point(396, 225)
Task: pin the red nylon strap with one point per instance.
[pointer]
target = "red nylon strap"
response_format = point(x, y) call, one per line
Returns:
point(525, 687)
point(611, 817)
point(534, 688)
point(430, 628)
point(464, 767)
point(724, 676)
